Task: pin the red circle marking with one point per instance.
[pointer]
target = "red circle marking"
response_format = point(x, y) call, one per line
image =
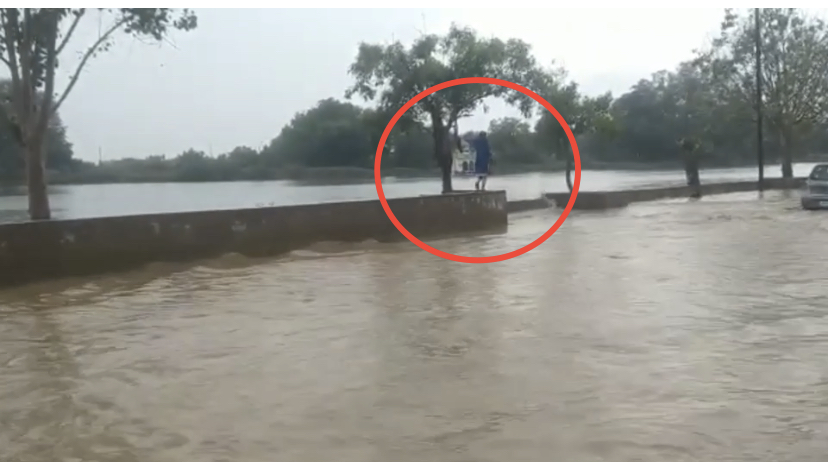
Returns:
point(494, 258)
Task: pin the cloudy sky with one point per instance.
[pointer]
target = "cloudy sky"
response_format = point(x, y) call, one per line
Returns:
point(243, 74)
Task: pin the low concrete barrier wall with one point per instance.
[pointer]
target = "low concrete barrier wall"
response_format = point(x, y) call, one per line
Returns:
point(591, 200)
point(600, 200)
point(40, 250)
point(531, 204)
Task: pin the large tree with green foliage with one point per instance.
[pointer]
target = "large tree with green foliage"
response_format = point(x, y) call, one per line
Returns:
point(331, 134)
point(340, 134)
point(564, 97)
point(243, 162)
point(392, 74)
point(794, 62)
point(668, 106)
point(513, 142)
point(583, 115)
point(57, 151)
point(57, 148)
point(649, 116)
point(409, 147)
point(31, 43)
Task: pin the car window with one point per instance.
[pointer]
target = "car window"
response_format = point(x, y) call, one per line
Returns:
point(820, 173)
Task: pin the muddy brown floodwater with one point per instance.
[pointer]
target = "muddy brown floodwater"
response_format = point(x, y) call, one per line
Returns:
point(668, 331)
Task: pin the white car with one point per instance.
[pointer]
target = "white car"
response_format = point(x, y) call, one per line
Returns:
point(816, 194)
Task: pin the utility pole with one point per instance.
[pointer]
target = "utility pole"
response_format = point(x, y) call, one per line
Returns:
point(760, 141)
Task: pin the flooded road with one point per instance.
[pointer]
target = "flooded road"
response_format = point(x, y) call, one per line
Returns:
point(667, 331)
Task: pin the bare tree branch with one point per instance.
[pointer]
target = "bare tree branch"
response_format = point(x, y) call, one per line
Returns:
point(71, 31)
point(11, 61)
point(45, 112)
point(26, 88)
point(10, 27)
point(89, 53)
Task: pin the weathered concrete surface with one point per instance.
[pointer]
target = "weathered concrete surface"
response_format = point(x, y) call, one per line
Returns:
point(33, 251)
point(600, 200)
point(530, 204)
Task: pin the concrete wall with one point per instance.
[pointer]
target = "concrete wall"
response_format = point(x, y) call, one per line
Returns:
point(594, 200)
point(48, 249)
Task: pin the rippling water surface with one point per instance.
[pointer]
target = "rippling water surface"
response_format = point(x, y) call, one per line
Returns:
point(667, 331)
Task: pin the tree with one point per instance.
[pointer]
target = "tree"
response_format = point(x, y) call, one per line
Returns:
point(31, 42)
point(795, 56)
point(670, 105)
point(718, 126)
point(393, 74)
point(648, 115)
point(690, 146)
point(583, 115)
point(57, 149)
point(513, 141)
point(410, 147)
point(564, 97)
point(242, 163)
point(331, 134)
point(192, 165)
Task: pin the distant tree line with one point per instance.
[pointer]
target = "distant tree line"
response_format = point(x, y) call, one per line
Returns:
point(710, 99)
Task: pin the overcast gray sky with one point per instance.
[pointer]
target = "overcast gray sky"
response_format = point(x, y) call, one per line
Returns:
point(243, 74)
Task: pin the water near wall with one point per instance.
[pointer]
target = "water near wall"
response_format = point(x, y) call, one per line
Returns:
point(664, 331)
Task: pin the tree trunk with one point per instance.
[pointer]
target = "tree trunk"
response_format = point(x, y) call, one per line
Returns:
point(446, 172)
point(36, 181)
point(691, 172)
point(569, 162)
point(694, 181)
point(442, 152)
point(787, 154)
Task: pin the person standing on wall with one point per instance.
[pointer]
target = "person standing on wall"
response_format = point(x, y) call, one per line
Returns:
point(483, 157)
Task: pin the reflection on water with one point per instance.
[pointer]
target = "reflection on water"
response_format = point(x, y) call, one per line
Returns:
point(666, 331)
point(84, 201)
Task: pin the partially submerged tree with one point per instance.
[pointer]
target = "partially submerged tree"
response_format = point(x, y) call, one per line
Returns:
point(591, 117)
point(393, 74)
point(331, 134)
point(57, 148)
point(565, 98)
point(690, 147)
point(31, 43)
point(795, 58)
point(409, 147)
point(582, 114)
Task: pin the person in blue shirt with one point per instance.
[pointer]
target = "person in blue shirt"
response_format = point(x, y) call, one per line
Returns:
point(483, 156)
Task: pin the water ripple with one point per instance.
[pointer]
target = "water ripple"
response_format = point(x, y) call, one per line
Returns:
point(666, 331)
